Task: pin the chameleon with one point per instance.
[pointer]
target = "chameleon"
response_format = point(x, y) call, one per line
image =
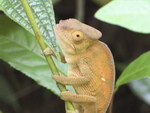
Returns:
point(91, 68)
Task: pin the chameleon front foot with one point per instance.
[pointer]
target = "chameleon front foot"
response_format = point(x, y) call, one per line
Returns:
point(71, 80)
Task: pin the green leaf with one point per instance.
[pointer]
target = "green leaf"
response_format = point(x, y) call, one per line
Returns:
point(43, 10)
point(131, 14)
point(141, 88)
point(20, 49)
point(138, 69)
point(1, 1)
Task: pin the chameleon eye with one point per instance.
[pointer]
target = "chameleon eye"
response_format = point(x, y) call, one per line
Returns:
point(77, 35)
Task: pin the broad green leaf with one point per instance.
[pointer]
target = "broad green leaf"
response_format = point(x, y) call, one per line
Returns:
point(131, 14)
point(141, 88)
point(138, 69)
point(20, 49)
point(43, 12)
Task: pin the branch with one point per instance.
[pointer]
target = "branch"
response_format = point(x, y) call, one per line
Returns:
point(43, 46)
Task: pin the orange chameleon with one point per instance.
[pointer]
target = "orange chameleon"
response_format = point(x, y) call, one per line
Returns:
point(91, 66)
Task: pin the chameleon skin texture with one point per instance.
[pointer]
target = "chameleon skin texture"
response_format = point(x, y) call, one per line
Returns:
point(91, 66)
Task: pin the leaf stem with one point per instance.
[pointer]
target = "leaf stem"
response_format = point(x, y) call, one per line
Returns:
point(43, 46)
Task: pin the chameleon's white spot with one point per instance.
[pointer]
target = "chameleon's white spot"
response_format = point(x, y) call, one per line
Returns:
point(103, 79)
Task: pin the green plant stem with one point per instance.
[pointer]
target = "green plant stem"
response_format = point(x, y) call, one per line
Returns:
point(43, 46)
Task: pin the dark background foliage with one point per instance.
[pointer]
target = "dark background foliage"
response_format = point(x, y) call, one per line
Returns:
point(124, 44)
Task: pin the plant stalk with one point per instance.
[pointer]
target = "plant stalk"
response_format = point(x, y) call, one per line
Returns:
point(43, 46)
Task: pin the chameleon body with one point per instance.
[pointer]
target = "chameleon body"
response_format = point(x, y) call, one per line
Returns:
point(91, 66)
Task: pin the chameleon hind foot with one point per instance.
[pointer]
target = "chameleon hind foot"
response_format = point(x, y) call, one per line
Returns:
point(77, 98)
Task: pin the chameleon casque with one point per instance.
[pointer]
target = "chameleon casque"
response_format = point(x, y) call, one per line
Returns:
point(91, 66)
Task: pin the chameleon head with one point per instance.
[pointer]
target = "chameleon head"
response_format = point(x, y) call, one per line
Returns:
point(74, 36)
